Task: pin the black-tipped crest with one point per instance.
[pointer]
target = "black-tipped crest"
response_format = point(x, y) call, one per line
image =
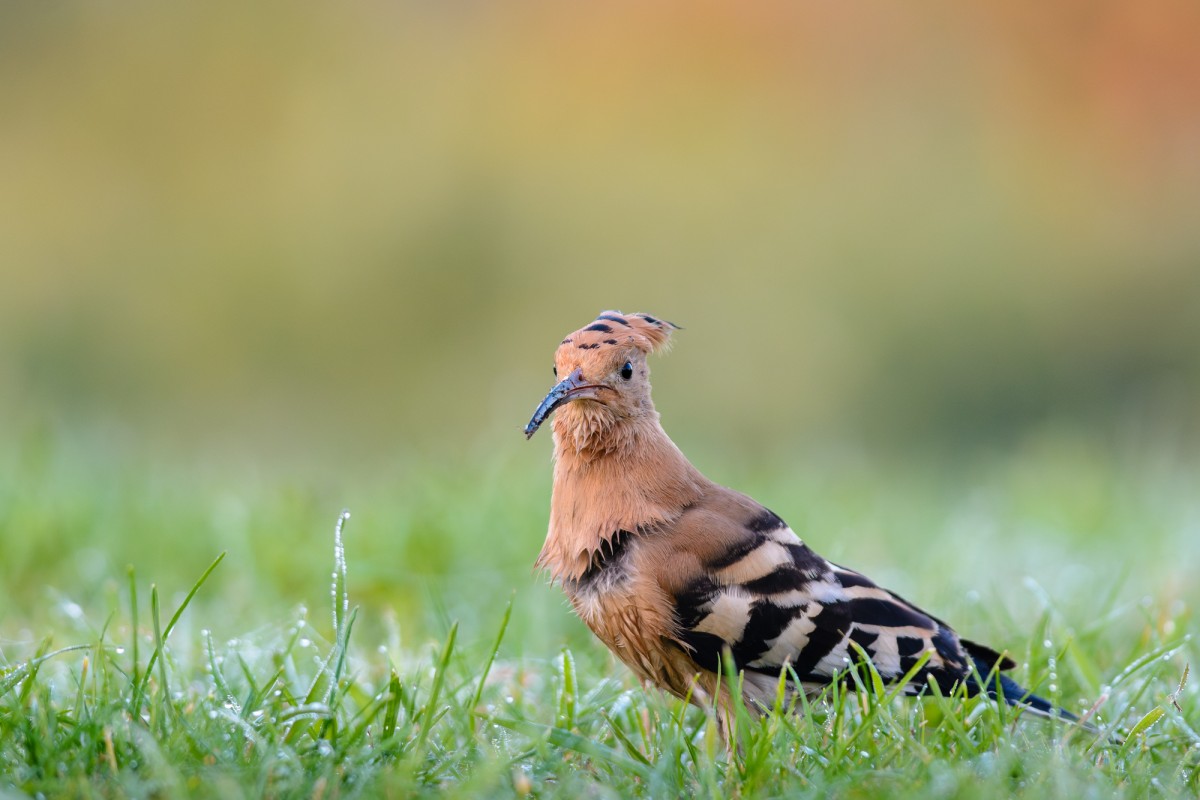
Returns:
point(612, 328)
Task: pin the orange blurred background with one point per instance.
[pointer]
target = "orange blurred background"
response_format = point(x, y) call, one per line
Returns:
point(362, 228)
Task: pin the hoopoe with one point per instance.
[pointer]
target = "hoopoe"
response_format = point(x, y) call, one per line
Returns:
point(671, 570)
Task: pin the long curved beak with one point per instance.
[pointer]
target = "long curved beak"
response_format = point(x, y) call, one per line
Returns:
point(568, 389)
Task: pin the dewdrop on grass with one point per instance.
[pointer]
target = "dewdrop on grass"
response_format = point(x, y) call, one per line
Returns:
point(341, 599)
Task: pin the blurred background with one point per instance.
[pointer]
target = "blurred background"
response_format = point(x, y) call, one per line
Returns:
point(329, 250)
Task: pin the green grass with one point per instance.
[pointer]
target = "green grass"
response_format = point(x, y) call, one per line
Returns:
point(439, 665)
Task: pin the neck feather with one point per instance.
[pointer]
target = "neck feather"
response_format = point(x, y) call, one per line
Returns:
point(633, 478)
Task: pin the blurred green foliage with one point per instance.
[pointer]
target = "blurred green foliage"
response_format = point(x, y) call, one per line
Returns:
point(990, 542)
point(346, 232)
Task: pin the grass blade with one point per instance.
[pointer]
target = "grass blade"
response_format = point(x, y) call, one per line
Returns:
point(575, 743)
point(439, 679)
point(391, 714)
point(491, 659)
point(160, 638)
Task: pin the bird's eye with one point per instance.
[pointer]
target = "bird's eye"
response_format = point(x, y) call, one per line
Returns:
point(554, 369)
point(627, 371)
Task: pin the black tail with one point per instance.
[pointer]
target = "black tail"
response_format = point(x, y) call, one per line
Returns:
point(997, 686)
point(1002, 687)
point(1015, 695)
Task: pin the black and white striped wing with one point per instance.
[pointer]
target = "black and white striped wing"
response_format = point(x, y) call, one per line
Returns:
point(773, 602)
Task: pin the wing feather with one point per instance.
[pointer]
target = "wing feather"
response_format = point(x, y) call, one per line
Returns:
point(772, 602)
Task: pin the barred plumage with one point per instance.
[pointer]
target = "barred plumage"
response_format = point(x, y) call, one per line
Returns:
point(671, 570)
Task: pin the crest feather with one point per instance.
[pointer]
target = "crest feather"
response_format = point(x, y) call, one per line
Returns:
point(650, 334)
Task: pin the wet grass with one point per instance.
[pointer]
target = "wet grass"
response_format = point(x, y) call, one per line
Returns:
point(437, 665)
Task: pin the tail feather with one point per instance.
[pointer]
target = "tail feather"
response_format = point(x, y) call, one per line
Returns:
point(1002, 687)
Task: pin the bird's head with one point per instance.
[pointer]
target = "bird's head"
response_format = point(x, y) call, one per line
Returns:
point(602, 371)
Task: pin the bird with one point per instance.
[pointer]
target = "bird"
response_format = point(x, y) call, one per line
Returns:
point(682, 578)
